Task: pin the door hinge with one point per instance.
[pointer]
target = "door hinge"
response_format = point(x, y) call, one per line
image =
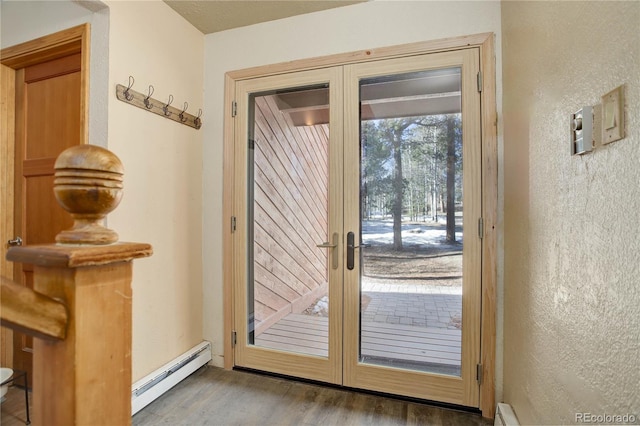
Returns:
point(479, 373)
point(481, 228)
point(233, 224)
point(479, 81)
point(234, 108)
point(233, 338)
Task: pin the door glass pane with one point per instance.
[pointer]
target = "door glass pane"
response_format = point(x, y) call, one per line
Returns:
point(288, 181)
point(411, 221)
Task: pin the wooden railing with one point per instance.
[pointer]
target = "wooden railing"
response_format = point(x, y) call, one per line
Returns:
point(80, 305)
point(32, 313)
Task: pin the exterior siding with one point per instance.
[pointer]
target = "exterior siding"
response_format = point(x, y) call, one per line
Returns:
point(290, 213)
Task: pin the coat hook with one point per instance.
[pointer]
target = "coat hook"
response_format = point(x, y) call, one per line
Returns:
point(166, 107)
point(197, 120)
point(147, 102)
point(128, 96)
point(182, 117)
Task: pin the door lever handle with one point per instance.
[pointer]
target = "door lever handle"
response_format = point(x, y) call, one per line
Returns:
point(17, 241)
point(350, 250)
point(334, 249)
point(326, 244)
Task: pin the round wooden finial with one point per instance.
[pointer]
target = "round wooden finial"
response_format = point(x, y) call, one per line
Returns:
point(88, 184)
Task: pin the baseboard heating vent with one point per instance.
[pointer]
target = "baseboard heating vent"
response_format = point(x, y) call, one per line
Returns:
point(505, 416)
point(149, 388)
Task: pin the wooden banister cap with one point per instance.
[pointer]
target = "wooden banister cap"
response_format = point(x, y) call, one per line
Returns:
point(75, 256)
point(89, 157)
point(88, 184)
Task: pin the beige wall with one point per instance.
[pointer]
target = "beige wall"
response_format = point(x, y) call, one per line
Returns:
point(367, 25)
point(572, 283)
point(26, 20)
point(162, 201)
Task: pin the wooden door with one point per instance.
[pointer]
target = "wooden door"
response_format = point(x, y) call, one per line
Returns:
point(289, 218)
point(387, 343)
point(412, 281)
point(48, 120)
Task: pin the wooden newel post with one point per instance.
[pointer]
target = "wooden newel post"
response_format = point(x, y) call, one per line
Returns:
point(86, 378)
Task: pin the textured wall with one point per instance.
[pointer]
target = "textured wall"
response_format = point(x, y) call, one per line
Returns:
point(572, 247)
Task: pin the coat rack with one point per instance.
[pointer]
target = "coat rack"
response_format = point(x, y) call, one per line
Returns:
point(146, 102)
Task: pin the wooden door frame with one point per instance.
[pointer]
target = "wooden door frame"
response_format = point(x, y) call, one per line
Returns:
point(43, 49)
point(326, 369)
point(485, 42)
point(460, 389)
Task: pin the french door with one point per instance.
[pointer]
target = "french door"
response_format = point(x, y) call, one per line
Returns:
point(356, 255)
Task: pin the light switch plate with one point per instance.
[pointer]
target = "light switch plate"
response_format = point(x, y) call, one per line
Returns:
point(597, 126)
point(581, 138)
point(613, 115)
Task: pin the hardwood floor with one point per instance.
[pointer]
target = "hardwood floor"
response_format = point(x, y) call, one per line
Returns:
point(213, 396)
point(13, 407)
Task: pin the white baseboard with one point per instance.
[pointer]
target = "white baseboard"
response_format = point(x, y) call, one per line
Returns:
point(150, 387)
point(505, 416)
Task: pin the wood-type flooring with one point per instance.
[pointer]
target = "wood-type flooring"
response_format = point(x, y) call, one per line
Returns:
point(213, 396)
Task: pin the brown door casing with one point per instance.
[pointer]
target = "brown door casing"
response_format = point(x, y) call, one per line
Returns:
point(50, 77)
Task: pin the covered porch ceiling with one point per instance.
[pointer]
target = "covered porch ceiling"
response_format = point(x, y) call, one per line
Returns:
point(432, 92)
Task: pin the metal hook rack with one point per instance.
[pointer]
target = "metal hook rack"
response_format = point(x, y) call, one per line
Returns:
point(147, 103)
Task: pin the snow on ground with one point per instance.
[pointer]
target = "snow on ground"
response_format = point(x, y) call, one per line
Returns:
point(381, 232)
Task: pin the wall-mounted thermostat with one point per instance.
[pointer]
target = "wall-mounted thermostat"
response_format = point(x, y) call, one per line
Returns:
point(582, 131)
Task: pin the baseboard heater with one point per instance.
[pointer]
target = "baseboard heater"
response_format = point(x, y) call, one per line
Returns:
point(505, 416)
point(147, 389)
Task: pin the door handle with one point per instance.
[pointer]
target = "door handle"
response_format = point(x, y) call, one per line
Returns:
point(334, 249)
point(17, 241)
point(326, 245)
point(350, 250)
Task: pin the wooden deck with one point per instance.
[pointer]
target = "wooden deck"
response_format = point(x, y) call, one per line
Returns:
point(380, 341)
point(298, 333)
